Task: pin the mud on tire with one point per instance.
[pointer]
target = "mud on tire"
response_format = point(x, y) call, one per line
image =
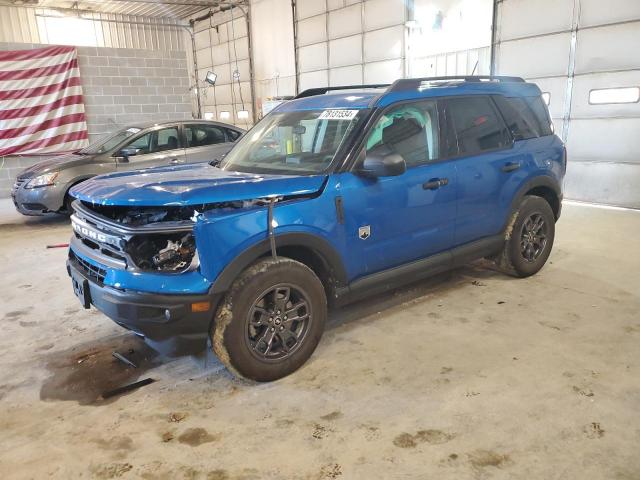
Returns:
point(271, 320)
point(529, 238)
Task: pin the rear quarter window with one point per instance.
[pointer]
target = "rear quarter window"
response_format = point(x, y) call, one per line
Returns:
point(526, 117)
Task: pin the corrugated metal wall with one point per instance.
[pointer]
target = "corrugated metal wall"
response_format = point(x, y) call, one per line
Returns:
point(569, 48)
point(349, 42)
point(222, 46)
point(30, 25)
point(343, 42)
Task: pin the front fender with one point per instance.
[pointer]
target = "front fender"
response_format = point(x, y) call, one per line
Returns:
point(228, 242)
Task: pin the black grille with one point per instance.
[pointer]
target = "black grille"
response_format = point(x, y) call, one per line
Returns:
point(94, 273)
point(18, 183)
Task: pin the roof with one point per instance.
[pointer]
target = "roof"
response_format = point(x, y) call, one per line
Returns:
point(172, 9)
point(143, 125)
point(351, 97)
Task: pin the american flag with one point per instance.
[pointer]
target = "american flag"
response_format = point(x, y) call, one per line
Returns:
point(41, 105)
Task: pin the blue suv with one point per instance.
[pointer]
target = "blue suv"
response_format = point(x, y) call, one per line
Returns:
point(338, 194)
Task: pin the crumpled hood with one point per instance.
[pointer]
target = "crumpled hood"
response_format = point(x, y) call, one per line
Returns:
point(54, 164)
point(190, 185)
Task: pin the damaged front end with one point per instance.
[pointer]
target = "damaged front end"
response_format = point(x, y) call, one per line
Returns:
point(144, 239)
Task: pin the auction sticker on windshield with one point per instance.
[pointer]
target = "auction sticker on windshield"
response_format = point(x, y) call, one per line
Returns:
point(338, 115)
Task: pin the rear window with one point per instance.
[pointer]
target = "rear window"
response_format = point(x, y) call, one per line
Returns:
point(477, 125)
point(526, 117)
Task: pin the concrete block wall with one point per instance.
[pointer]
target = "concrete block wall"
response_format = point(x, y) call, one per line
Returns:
point(121, 87)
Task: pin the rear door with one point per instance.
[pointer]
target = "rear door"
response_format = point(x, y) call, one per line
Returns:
point(206, 142)
point(158, 147)
point(489, 169)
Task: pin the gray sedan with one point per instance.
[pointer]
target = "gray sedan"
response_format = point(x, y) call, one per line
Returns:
point(44, 187)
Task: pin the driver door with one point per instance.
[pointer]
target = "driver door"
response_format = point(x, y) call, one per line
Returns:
point(159, 147)
point(399, 219)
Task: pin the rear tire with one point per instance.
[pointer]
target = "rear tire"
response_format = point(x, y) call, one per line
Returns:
point(529, 239)
point(271, 320)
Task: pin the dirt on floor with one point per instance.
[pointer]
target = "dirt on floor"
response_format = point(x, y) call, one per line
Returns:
point(471, 375)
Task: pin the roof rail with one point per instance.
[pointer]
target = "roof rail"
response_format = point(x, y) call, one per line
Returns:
point(311, 92)
point(413, 83)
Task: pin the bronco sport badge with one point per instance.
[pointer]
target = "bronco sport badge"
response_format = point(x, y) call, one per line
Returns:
point(364, 232)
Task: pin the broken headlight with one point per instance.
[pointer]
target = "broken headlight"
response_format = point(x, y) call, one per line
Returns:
point(163, 252)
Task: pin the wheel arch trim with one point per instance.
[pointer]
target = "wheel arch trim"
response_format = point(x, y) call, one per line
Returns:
point(318, 246)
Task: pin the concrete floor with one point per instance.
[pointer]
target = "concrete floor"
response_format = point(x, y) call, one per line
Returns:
point(470, 375)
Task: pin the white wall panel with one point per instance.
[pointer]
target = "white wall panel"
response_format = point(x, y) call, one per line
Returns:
point(557, 89)
point(224, 74)
point(203, 57)
point(308, 8)
point(345, 51)
point(202, 39)
point(608, 48)
point(312, 57)
point(383, 72)
point(583, 84)
point(314, 79)
point(220, 54)
point(383, 44)
point(346, 21)
point(383, 13)
point(346, 76)
point(598, 12)
point(521, 18)
point(602, 182)
point(273, 49)
point(602, 140)
point(312, 30)
point(535, 57)
point(335, 4)
point(239, 50)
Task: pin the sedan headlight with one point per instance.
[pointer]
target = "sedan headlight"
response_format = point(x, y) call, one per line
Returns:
point(42, 180)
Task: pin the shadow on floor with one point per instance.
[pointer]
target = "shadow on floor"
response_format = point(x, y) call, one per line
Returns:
point(84, 372)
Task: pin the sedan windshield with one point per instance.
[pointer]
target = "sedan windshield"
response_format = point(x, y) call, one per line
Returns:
point(293, 143)
point(109, 142)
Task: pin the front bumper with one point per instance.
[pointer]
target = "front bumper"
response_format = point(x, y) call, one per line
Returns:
point(157, 317)
point(37, 201)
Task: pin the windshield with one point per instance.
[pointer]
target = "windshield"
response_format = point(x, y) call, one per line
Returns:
point(109, 142)
point(293, 143)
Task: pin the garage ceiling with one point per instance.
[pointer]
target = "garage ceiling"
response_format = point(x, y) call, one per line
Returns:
point(146, 8)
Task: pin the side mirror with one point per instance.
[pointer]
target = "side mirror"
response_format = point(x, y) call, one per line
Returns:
point(216, 161)
point(382, 162)
point(125, 153)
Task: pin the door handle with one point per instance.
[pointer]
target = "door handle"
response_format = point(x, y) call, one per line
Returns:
point(435, 183)
point(174, 160)
point(510, 167)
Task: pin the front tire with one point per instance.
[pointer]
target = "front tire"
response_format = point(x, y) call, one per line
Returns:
point(271, 320)
point(529, 238)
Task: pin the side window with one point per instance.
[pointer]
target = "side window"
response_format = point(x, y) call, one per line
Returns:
point(143, 143)
point(232, 135)
point(166, 139)
point(156, 141)
point(521, 118)
point(541, 111)
point(201, 135)
point(410, 130)
point(477, 126)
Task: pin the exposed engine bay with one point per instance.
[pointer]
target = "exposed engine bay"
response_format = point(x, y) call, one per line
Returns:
point(139, 216)
point(162, 252)
point(156, 239)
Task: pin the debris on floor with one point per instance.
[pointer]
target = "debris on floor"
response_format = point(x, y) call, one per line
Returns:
point(127, 388)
